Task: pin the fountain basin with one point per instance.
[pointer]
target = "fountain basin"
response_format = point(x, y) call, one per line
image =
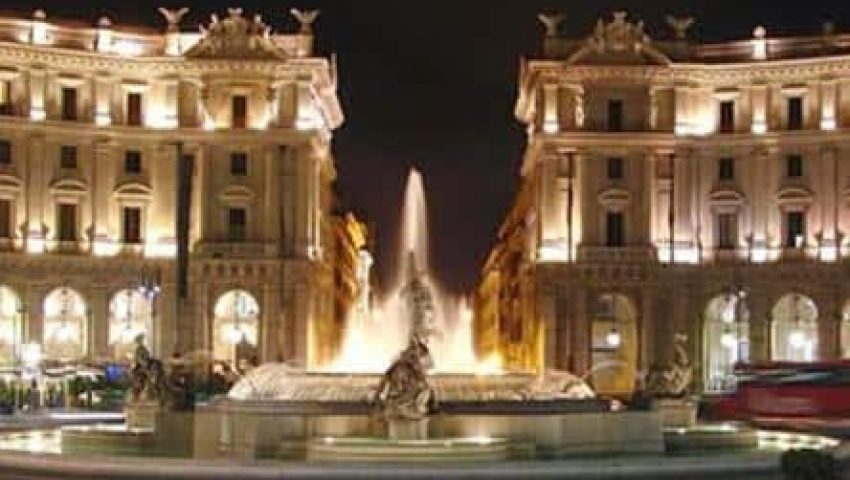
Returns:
point(350, 449)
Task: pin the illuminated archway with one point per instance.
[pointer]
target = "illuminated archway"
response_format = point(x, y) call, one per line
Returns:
point(794, 329)
point(726, 340)
point(130, 315)
point(11, 312)
point(614, 345)
point(235, 324)
point(65, 325)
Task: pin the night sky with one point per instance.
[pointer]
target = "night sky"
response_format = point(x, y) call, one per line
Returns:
point(432, 84)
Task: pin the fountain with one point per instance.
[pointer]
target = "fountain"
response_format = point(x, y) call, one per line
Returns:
point(406, 387)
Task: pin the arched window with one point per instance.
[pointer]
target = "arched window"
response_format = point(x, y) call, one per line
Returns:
point(235, 325)
point(11, 312)
point(130, 315)
point(794, 329)
point(614, 345)
point(65, 325)
point(726, 340)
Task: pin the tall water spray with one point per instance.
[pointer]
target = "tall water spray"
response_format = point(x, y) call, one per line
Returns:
point(373, 338)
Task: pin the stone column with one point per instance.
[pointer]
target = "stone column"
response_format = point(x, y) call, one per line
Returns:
point(99, 327)
point(36, 195)
point(35, 313)
point(829, 327)
point(581, 333)
point(102, 186)
point(551, 122)
point(547, 316)
point(646, 337)
point(759, 306)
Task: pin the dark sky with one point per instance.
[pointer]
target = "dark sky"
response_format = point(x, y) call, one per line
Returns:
point(432, 84)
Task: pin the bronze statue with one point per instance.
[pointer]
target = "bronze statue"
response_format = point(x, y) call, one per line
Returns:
point(404, 392)
point(147, 377)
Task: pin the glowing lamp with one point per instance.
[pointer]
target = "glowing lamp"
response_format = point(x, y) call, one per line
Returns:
point(797, 339)
point(728, 340)
point(613, 338)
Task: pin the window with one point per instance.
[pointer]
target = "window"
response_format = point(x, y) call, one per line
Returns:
point(240, 111)
point(69, 103)
point(5, 152)
point(726, 169)
point(133, 162)
point(239, 163)
point(134, 109)
point(615, 168)
point(132, 225)
point(236, 221)
point(614, 229)
point(67, 227)
point(6, 105)
point(727, 116)
point(615, 115)
point(794, 166)
point(5, 219)
point(795, 113)
point(727, 231)
point(68, 156)
point(795, 229)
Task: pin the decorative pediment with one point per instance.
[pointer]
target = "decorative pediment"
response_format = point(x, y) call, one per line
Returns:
point(236, 195)
point(133, 191)
point(619, 42)
point(69, 187)
point(794, 195)
point(9, 184)
point(236, 37)
point(726, 198)
point(614, 199)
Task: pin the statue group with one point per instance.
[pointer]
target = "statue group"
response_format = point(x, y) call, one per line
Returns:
point(404, 392)
point(151, 384)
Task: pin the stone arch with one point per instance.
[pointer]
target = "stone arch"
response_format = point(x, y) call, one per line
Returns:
point(794, 328)
point(614, 344)
point(726, 339)
point(66, 330)
point(235, 326)
point(130, 315)
point(11, 325)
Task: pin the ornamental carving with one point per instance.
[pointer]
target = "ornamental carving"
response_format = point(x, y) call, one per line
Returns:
point(236, 37)
point(619, 35)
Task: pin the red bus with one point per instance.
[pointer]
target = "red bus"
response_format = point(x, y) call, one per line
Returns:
point(787, 389)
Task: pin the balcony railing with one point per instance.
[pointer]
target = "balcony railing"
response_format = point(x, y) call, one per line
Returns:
point(236, 249)
point(605, 254)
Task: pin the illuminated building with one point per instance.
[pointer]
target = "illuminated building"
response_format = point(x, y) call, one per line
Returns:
point(670, 186)
point(94, 123)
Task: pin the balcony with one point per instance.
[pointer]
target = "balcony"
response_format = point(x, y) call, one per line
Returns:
point(218, 249)
point(604, 254)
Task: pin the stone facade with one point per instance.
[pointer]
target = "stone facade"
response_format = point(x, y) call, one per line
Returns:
point(667, 187)
point(93, 124)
